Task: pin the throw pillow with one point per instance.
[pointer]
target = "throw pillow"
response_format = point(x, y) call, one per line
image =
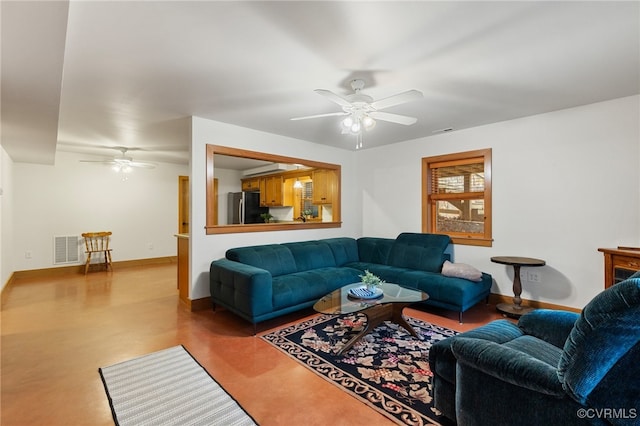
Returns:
point(461, 270)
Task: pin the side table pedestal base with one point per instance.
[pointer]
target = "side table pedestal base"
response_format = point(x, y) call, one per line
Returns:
point(514, 311)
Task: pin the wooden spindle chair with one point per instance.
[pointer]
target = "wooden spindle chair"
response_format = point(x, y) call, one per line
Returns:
point(97, 242)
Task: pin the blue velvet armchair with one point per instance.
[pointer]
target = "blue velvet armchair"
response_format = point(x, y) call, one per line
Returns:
point(553, 367)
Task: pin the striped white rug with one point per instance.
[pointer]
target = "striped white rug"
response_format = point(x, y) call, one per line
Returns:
point(168, 387)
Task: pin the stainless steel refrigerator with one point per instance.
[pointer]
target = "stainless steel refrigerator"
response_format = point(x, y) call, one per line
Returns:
point(244, 207)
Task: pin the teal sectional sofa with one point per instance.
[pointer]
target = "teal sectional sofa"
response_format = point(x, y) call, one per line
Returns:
point(263, 282)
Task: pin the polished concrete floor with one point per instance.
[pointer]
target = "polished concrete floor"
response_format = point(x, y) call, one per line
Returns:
point(57, 332)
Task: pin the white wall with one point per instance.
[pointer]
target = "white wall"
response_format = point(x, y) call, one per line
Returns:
point(72, 197)
point(6, 215)
point(206, 248)
point(564, 184)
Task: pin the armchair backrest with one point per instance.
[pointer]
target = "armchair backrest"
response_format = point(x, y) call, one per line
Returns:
point(599, 366)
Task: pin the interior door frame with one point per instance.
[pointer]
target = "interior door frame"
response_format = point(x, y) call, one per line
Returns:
point(183, 204)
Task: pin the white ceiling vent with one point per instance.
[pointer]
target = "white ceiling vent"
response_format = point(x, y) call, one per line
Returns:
point(66, 249)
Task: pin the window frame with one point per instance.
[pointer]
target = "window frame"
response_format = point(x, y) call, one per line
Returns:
point(429, 200)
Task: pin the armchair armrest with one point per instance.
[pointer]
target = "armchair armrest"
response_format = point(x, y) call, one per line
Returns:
point(508, 365)
point(441, 358)
point(549, 325)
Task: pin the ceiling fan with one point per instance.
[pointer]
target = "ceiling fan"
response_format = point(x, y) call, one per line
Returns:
point(123, 163)
point(362, 111)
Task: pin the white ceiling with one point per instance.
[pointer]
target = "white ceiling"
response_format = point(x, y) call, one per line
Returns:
point(84, 76)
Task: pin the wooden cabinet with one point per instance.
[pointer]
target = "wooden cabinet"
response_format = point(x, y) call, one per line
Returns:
point(271, 191)
point(252, 184)
point(620, 264)
point(324, 186)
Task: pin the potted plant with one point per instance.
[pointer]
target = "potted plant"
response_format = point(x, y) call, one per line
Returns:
point(266, 217)
point(370, 280)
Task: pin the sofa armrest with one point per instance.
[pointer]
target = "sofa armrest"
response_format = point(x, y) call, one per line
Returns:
point(549, 325)
point(243, 287)
point(508, 365)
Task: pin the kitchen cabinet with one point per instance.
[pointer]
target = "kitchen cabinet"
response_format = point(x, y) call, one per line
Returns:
point(252, 184)
point(324, 186)
point(271, 191)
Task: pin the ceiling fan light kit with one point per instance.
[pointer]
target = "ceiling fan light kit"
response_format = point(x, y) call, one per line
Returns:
point(355, 123)
point(121, 168)
point(362, 111)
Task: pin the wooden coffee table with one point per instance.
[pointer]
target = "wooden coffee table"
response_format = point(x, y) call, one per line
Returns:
point(387, 307)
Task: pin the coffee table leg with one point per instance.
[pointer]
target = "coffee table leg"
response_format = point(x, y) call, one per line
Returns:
point(378, 314)
point(357, 337)
point(399, 319)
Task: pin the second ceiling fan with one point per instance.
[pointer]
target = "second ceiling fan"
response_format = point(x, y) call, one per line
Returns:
point(123, 163)
point(362, 110)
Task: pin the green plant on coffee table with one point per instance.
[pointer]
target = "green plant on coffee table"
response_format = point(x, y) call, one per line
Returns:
point(370, 280)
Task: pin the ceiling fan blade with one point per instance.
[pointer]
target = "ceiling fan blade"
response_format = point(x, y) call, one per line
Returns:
point(97, 161)
point(124, 149)
point(331, 114)
point(333, 97)
point(400, 98)
point(121, 163)
point(142, 165)
point(393, 118)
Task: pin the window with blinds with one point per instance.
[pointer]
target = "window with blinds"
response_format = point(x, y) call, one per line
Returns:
point(457, 196)
point(307, 208)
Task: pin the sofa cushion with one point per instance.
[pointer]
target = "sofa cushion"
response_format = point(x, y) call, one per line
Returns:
point(345, 250)
point(390, 274)
point(275, 258)
point(311, 255)
point(453, 291)
point(449, 291)
point(424, 252)
point(374, 250)
point(306, 286)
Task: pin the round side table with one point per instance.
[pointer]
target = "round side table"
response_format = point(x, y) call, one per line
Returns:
point(516, 309)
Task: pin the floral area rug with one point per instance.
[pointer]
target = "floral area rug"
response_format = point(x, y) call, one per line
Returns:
point(388, 369)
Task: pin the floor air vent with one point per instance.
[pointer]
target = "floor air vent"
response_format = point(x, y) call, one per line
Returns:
point(66, 249)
